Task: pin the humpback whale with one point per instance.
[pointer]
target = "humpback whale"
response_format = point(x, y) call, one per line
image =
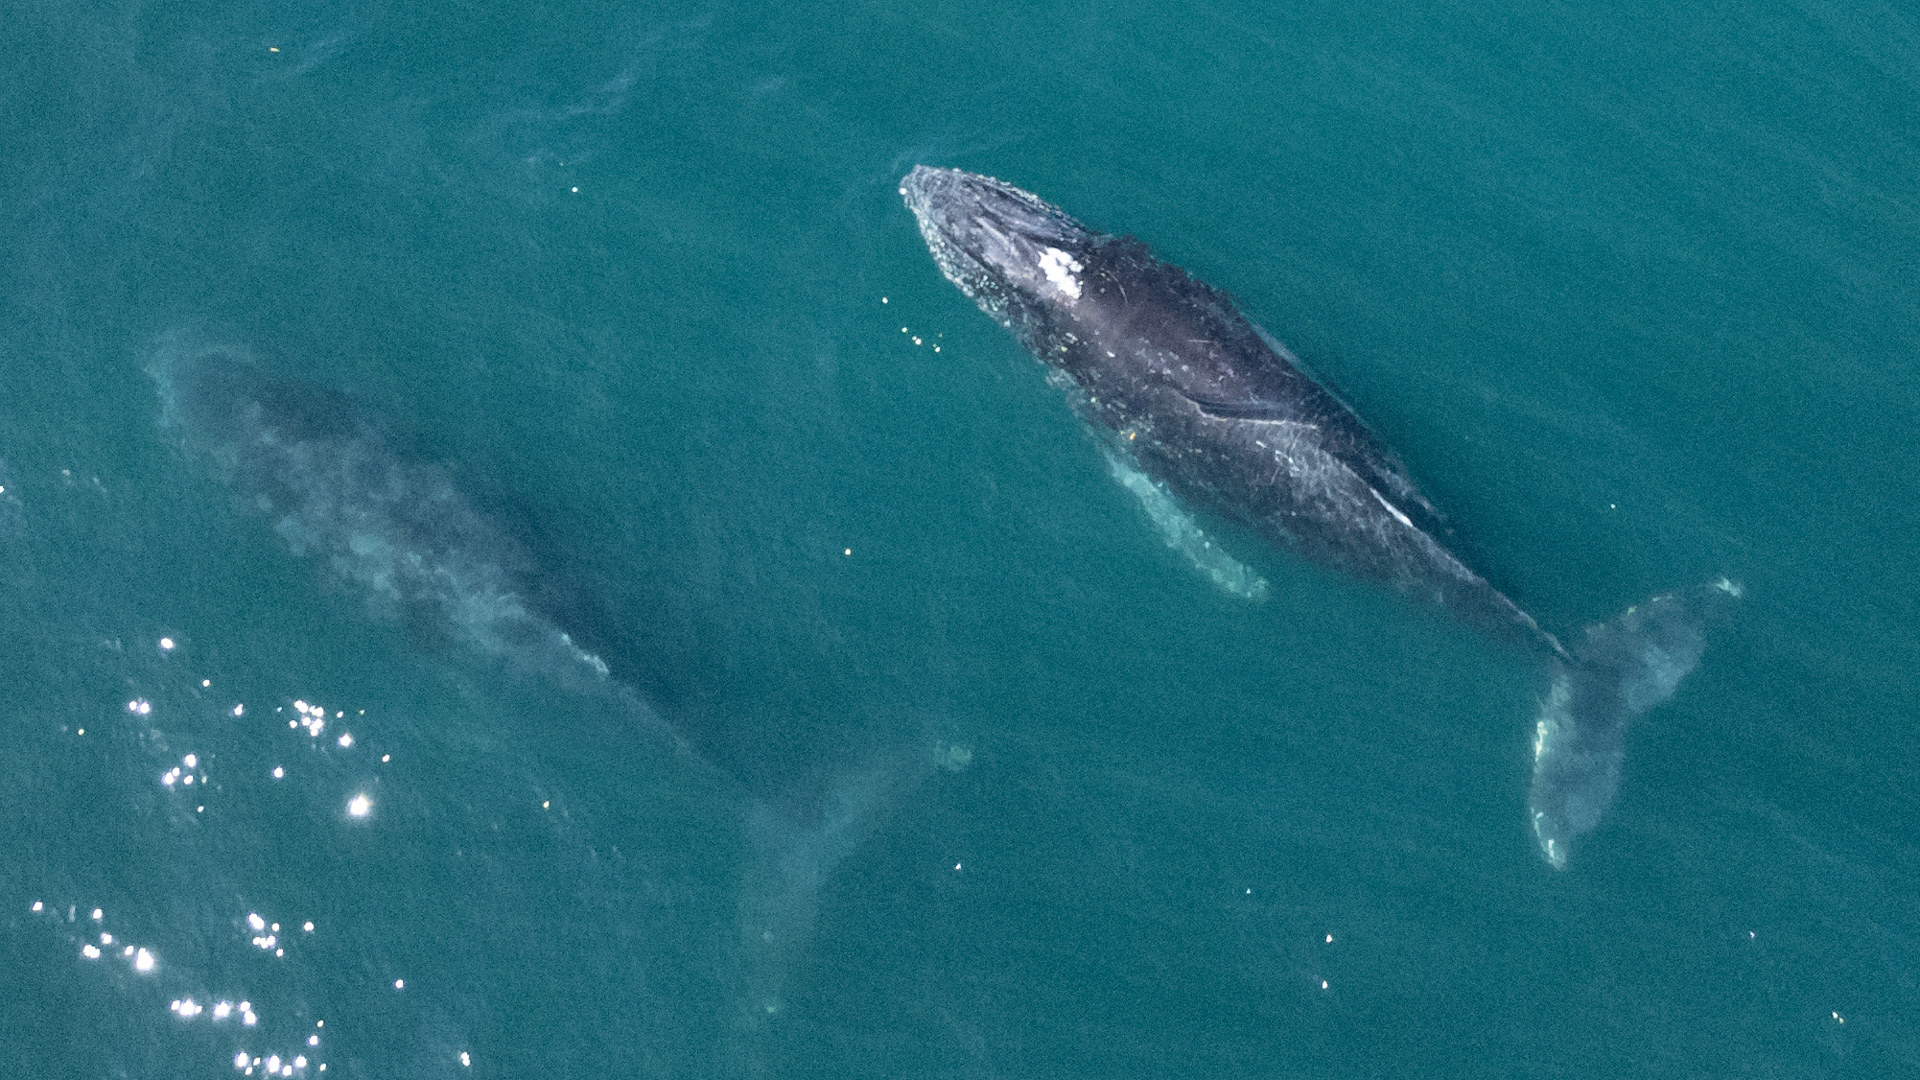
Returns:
point(342, 488)
point(339, 485)
point(1170, 373)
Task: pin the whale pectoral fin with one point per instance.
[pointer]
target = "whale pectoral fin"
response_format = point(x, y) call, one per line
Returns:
point(1398, 515)
point(1273, 343)
point(1379, 472)
point(1387, 478)
point(1185, 535)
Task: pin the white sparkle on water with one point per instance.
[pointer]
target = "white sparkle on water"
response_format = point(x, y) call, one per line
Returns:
point(359, 805)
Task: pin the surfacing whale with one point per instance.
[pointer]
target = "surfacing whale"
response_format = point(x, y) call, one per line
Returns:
point(1175, 378)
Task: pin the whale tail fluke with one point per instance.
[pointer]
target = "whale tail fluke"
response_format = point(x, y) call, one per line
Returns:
point(1617, 671)
point(789, 862)
point(780, 891)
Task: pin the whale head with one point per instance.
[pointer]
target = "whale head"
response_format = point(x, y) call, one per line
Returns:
point(1012, 252)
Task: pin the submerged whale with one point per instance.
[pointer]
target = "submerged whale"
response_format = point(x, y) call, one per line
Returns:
point(1176, 379)
point(387, 523)
point(340, 486)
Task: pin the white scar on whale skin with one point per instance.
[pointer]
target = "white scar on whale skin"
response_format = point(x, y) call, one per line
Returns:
point(1059, 268)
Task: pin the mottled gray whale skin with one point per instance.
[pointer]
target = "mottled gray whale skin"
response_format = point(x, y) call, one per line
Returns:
point(1174, 376)
point(337, 485)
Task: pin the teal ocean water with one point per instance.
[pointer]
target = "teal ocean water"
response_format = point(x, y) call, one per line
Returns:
point(920, 752)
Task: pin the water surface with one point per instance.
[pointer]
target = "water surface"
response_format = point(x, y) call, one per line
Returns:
point(1632, 293)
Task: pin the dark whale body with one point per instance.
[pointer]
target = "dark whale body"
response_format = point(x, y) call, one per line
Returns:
point(1207, 403)
point(1202, 398)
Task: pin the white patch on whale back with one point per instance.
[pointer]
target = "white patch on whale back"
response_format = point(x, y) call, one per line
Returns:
point(1184, 535)
point(1060, 268)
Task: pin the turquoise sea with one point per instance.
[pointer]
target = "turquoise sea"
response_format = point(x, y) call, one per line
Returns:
point(931, 758)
